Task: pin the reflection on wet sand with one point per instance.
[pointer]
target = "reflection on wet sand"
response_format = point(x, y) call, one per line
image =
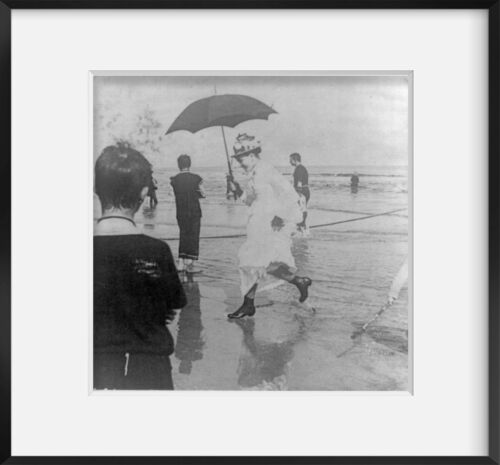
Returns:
point(264, 365)
point(300, 251)
point(189, 345)
point(286, 346)
point(394, 338)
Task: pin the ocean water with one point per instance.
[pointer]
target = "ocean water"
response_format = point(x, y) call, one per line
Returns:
point(381, 189)
point(314, 346)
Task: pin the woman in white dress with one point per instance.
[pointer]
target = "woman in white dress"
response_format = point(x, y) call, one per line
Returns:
point(265, 258)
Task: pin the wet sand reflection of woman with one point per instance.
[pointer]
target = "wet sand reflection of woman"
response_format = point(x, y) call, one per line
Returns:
point(263, 364)
point(189, 345)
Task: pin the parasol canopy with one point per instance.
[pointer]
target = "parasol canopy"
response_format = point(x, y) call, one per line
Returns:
point(220, 110)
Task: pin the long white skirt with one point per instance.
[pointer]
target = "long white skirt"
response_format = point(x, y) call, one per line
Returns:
point(264, 251)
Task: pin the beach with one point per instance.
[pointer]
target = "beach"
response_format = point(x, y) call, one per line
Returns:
point(352, 260)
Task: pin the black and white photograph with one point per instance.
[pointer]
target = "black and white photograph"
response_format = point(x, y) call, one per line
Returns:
point(252, 231)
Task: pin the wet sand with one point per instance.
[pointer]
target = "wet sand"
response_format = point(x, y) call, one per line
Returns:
point(287, 345)
point(293, 346)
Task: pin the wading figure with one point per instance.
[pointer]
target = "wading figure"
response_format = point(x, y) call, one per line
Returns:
point(301, 185)
point(354, 183)
point(188, 191)
point(153, 199)
point(272, 217)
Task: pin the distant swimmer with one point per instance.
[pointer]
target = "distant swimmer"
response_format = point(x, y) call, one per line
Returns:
point(301, 185)
point(188, 190)
point(354, 183)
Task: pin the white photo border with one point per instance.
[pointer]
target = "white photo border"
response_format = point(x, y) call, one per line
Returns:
point(298, 423)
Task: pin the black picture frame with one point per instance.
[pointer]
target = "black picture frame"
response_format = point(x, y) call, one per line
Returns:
point(493, 7)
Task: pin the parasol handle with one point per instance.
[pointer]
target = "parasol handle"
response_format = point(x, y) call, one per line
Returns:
point(227, 153)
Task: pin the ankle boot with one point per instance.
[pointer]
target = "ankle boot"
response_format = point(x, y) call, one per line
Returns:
point(302, 284)
point(246, 309)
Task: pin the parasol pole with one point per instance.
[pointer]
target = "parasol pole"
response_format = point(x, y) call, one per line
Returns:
point(225, 144)
point(227, 153)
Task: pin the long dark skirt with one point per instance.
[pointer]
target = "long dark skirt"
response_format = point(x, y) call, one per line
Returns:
point(189, 237)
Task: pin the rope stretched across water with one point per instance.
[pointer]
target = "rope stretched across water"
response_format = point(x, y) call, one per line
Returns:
point(322, 225)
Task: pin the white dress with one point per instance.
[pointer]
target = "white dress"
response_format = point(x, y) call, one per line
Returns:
point(268, 194)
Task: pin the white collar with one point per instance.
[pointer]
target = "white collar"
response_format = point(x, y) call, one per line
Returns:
point(115, 227)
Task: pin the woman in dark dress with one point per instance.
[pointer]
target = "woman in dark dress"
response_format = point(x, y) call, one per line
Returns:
point(188, 191)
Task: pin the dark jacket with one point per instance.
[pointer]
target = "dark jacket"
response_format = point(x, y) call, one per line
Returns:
point(136, 288)
point(187, 194)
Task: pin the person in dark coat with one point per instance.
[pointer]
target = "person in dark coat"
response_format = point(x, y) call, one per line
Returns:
point(188, 191)
point(136, 285)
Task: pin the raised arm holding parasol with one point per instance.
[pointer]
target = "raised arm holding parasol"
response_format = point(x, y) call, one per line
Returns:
point(220, 110)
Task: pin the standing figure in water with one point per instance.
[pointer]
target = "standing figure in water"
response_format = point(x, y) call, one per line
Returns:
point(354, 183)
point(153, 187)
point(265, 256)
point(301, 185)
point(188, 191)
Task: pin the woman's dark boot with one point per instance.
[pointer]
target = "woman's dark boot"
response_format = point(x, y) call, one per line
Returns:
point(302, 284)
point(246, 309)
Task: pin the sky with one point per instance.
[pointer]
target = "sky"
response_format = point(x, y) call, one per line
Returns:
point(329, 120)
